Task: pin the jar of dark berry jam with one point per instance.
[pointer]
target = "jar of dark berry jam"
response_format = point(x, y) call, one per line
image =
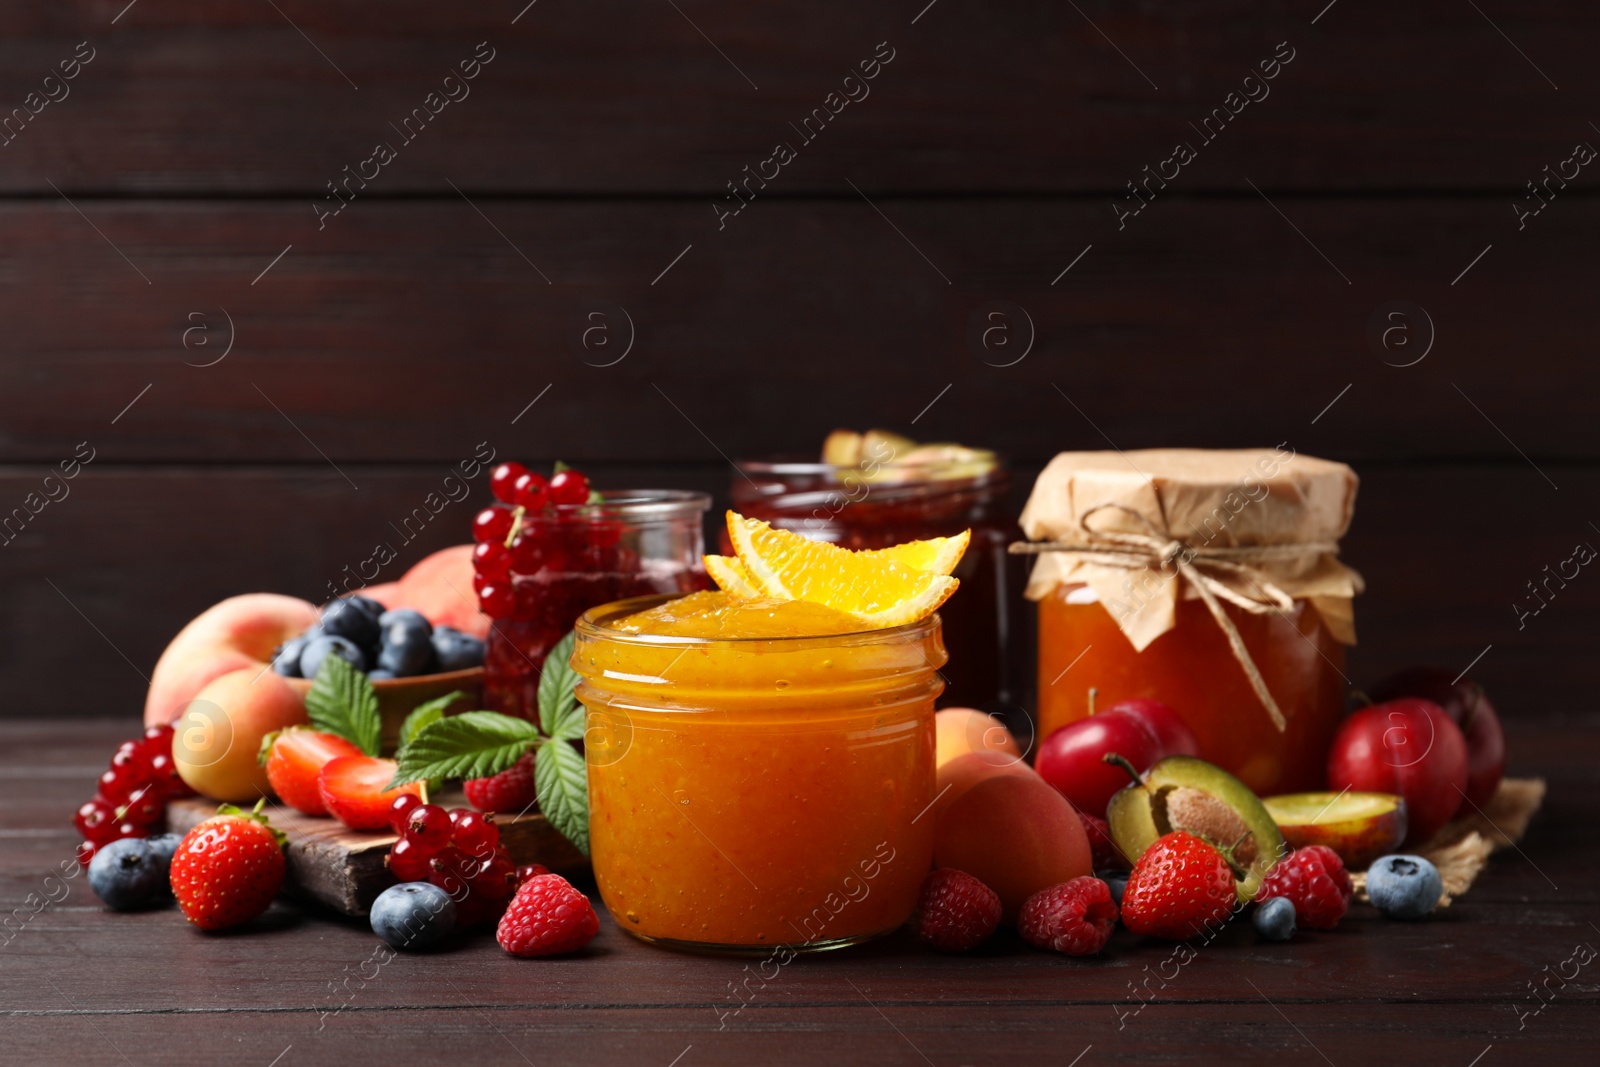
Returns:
point(565, 560)
point(876, 505)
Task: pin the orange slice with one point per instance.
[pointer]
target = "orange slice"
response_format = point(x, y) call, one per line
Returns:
point(731, 577)
point(879, 591)
point(938, 555)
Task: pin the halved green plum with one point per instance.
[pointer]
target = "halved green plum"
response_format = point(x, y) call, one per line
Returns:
point(1184, 793)
point(1360, 827)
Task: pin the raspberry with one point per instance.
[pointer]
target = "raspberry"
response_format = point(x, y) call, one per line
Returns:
point(511, 792)
point(1074, 917)
point(1314, 880)
point(956, 912)
point(1107, 856)
point(547, 917)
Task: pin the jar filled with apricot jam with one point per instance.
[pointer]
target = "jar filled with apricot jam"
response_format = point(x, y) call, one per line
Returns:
point(758, 770)
point(1149, 564)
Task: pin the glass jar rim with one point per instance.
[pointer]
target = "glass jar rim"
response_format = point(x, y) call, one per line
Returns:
point(591, 626)
point(642, 505)
point(995, 479)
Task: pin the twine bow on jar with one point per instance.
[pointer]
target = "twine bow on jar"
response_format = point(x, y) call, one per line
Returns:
point(1201, 567)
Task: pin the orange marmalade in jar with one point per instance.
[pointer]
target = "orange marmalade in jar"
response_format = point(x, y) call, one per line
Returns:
point(758, 770)
point(1207, 580)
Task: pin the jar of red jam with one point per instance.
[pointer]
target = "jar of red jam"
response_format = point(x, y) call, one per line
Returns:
point(877, 504)
point(1151, 563)
point(566, 560)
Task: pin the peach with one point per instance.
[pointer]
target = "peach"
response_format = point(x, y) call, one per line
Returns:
point(963, 730)
point(386, 593)
point(217, 740)
point(1016, 835)
point(236, 634)
point(440, 587)
point(956, 776)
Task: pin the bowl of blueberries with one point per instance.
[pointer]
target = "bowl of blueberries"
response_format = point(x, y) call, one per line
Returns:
point(408, 659)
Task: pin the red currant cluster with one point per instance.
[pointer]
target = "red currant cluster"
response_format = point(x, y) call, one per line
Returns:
point(458, 851)
point(132, 797)
point(537, 526)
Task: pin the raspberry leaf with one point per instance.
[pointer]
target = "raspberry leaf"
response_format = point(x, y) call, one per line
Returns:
point(562, 780)
point(474, 744)
point(343, 702)
point(426, 714)
point(560, 715)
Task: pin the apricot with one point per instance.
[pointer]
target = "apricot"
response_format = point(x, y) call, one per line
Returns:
point(963, 730)
point(1016, 835)
point(216, 742)
point(238, 633)
point(955, 777)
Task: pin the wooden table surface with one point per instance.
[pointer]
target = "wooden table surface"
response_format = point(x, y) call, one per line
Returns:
point(79, 984)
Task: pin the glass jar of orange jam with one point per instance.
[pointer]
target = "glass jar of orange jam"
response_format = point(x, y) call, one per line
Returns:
point(757, 770)
point(1191, 668)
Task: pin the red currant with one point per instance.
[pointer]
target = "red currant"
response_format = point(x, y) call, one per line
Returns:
point(115, 785)
point(448, 869)
point(475, 833)
point(158, 740)
point(408, 863)
point(94, 818)
point(502, 480)
point(145, 806)
point(85, 852)
point(526, 555)
point(132, 760)
point(128, 828)
point(164, 776)
point(495, 878)
point(427, 827)
point(569, 487)
point(491, 560)
point(531, 870)
point(491, 524)
point(497, 602)
point(400, 809)
point(531, 492)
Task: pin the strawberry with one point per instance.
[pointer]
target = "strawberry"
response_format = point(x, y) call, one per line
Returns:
point(1180, 888)
point(353, 789)
point(293, 757)
point(227, 870)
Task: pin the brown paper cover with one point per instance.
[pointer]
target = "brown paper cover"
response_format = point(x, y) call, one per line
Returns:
point(1205, 499)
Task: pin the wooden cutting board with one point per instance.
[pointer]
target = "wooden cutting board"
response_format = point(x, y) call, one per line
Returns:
point(344, 868)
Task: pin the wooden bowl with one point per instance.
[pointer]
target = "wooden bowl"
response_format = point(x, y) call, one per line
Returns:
point(397, 697)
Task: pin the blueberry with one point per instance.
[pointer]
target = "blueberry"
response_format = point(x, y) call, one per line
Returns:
point(367, 604)
point(1274, 919)
point(413, 915)
point(286, 660)
point(164, 845)
point(455, 650)
point(128, 874)
point(346, 618)
point(319, 648)
point(1404, 887)
point(406, 650)
point(378, 674)
point(1116, 881)
point(414, 619)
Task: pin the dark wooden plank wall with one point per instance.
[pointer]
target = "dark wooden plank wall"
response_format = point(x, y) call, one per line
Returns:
point(144, 209)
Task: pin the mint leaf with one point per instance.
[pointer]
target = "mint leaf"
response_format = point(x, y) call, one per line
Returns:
point(562, 780)
point(560, 716)
point(343, 702)
point(425, 714)
point(474, 744)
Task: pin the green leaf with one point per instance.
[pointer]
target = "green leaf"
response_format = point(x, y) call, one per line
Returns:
point(562, 779)
point(474, 744)
point(343, 702)
point(425, 714)
point(560, 715)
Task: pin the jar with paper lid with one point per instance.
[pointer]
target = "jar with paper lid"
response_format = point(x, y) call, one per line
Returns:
point(1208, 580)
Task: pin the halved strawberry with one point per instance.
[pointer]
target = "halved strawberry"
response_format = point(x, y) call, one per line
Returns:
point(352, 788)
point(293, 757)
